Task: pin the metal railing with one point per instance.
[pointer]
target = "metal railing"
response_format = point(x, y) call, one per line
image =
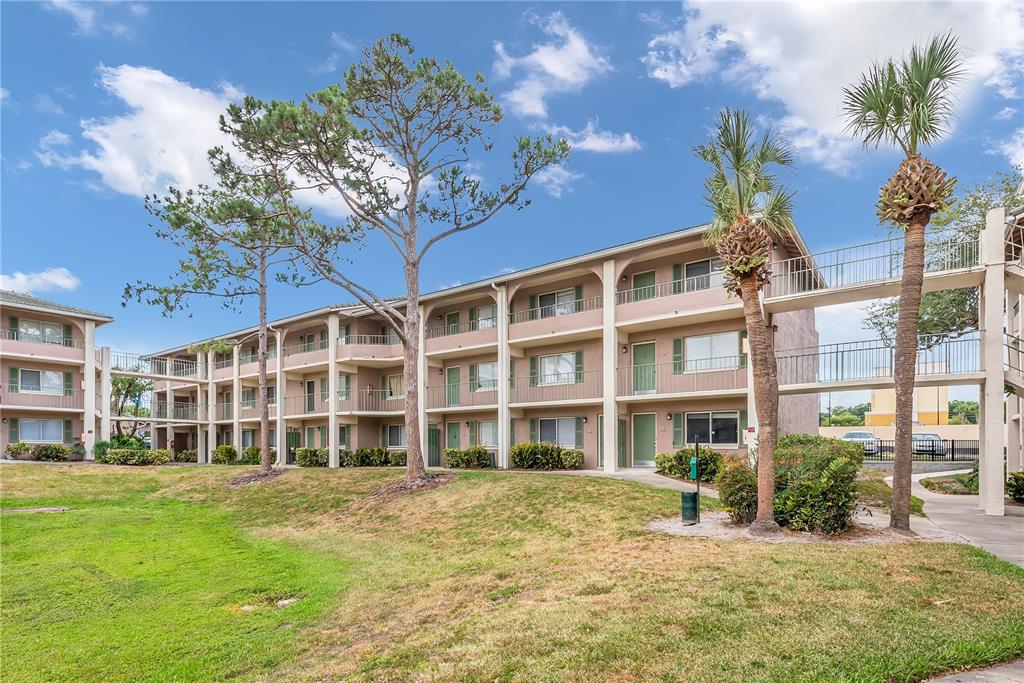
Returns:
point(568, 386)
point(369, 339)
point(873, 359)
point(1013, 353)
point(15, 395)
point(15, 335)
point(223, 363)
point(690, 284)
point(680, 377)
point(1013, 249)
point(305, 347)
point(306, 404)
point(463, 394)
point(460, 328)
point(925, 450)
point(249, 409)
point(554, 310)
point(178, 410)
point(868, 263)
point(224, 411)
point(373, 401)
point(122, 362)
point(244, 358)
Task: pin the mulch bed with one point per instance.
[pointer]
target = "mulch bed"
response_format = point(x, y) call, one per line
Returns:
point(252, 478)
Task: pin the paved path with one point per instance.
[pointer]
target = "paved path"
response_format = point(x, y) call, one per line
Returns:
point(641, 475)
point(1007, 673)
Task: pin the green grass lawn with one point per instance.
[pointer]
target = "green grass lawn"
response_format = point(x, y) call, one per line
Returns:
point(872, 490)
point(496, 576)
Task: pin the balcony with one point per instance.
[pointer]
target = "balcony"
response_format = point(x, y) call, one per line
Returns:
point(703, 296)
point(306, 354)
point(370, 401)
point(224, 411)
point(250, 410)
point(223, 369)
point(705, 376)
point(182, 411)
point(376, 348)
point(870, 271)
point(584, 386)
point(69, 399)
point(37, 346)
point(464, 395)
point(248, 363)
point(570, 320)
point(468, 335)
point(133, 364)
point(306, 404)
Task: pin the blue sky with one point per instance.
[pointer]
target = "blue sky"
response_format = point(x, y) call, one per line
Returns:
point(105, 102)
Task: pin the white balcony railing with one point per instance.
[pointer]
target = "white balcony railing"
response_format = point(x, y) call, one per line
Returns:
point(305, 347)
point(369, 340)
point(125, 363)
point(306, 404)
point(463, 395)
point(569, 386)
point(13, 395)
point(566, 308)
point(15, 335)
point(682, 377)
point(460, 328)
point(690, 284)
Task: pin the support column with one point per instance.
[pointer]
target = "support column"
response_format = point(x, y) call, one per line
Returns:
point(89, 420)
point(609, 342)
point(421, 386)
point(282, 440)
point(211, 411)
point(333, 459)
point(990, 458)
point(236, 399)
point(504, 437)
point(105, 388)
point(750, 437)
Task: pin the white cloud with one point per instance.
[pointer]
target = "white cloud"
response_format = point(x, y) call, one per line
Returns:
point(49, 280)
point(801, 54)
point(564, 64)
point(593, 139)
point(1012, 148)
point(1005, 114)
point(94, 18)
point(341, 42)
point(47, 105)
point(5, 95)
point(556, 180)
point(82, 13)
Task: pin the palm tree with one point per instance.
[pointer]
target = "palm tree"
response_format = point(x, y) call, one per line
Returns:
point(908, 104)
point(750, 211)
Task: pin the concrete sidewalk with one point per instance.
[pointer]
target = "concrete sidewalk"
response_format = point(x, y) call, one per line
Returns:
point(640, 475)
point(1006, 673)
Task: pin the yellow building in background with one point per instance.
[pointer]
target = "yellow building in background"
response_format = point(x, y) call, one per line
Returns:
point(931, 407)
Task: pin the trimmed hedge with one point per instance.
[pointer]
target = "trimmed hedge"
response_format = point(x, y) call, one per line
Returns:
point(540, 455)
point(224, 454)
point(737, 489)
point(472, 458)
point(677, 464)
point(52, 452)
point(1015, 486)
point(186, 456)
point(376, 457)
point(310, 457)
point(136, 456)
point(18, 450)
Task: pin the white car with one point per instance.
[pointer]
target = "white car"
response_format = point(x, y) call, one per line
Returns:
point(928, 444)
point(866, 439)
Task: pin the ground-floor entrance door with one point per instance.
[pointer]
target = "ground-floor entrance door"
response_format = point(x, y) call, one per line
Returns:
point(293, 440)
point(180, 443)
point(644, 439)
point(451, 437)
point(433, 445)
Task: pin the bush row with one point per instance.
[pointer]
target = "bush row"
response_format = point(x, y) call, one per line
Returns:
point(135, 456)
point(534, 455)
point(473, 457)
point(1015, 486)
point(361, 457)
point(53, 452)
point(677, 464)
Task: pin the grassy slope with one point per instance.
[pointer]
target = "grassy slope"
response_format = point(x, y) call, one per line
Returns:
point(496, 576)
point(872, 490)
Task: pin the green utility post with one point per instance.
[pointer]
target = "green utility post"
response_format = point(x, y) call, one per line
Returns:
point(690, 501)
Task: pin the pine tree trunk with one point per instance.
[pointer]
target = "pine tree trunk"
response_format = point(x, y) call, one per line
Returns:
point(766, 398)
point(414, 468)
point(265, 461)
point(905, 366)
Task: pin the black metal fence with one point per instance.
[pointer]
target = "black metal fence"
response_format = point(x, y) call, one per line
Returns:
point(946, 450)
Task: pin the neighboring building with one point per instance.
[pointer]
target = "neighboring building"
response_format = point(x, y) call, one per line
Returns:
point(931, 407)
point(52, 387)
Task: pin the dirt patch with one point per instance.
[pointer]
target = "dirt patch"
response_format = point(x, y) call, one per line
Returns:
point(717, 525)
point(11, 511)
point(406, 487)
point(252, 478)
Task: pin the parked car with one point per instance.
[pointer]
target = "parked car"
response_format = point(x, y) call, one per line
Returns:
point(928, 444)
point(866, 439)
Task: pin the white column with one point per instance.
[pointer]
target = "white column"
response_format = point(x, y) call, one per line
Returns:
point(236, 399)
point(990, 458)
point(89, 421)
point(750, 438)
point(609, 344)
point(169, 402)
point(332, 389)
point(206, 455)
point(105, 388)
point(282, 441)
point(421, 385)
point(504, 438)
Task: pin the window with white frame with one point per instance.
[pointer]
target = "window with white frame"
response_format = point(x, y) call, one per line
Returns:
point(271, 395)
point(558, 430)
point(38, 331)
point(486, 377)
point(248, 397)
point(395, 386)
point(47, 431)
point(712, 352)
point(561, 302)
point(395, 436)
point(716, 428)
point(557, 369)
point(703, 274)
point(487, 433)
point(41, 382)
point(248, 438)
point(486, 317)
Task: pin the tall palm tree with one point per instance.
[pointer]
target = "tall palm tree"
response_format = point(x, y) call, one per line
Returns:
point(908, 104)
point(750, 211)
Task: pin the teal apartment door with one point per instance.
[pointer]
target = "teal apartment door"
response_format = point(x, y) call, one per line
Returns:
point(644, 439)
point(643, 285)
point(452, 382)
point(643, 368)
point(433, 445)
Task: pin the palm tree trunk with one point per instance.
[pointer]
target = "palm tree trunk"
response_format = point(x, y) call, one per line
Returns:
point(766, 398)
point(266, 463)
point(905, 366)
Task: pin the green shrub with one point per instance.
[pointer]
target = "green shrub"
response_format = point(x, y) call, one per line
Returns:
point(224, 454)
point(52, 452)
point(77, 452)
point(1015, 486)
point(473, 457)
point(346, 458)
point(136, 456)
point(311, 457)
point(186, 456)
point(534, 455)
point(371, 457)
point(100, 448)
point(677, 463)
point(397, 458)
point(126, 441)
point(18, 450)
point(737, 489)
point(815, 483)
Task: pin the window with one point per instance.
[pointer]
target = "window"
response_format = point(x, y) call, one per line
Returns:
point(717, 428)
point(272, 395)
point(703, 274)
point(486, 317)
point(486, 377)
point(248, 438)
point(34, 330)
point(41, 430)
point(712, 352)
point(558, 430)
point(558, 369)
point(41, 382)
point(395, 436)
point(487, 433)
point(248, 398)
point(395, 386)
point(557, 303)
